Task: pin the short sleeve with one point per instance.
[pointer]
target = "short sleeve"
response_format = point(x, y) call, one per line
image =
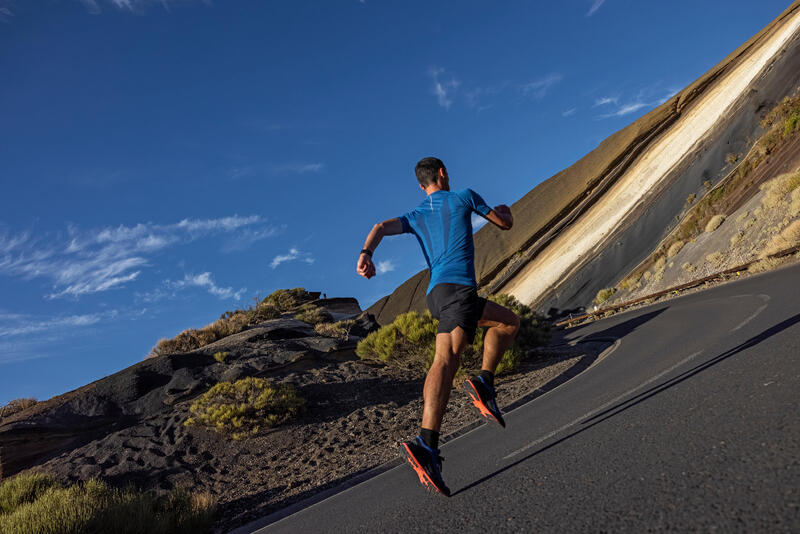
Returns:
point(477, 203)
point(405, 223)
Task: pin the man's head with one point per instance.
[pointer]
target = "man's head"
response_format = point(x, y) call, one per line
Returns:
point(431, 171)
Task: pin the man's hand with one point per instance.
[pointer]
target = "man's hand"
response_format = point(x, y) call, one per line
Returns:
point(365, 266)
point(505, 213)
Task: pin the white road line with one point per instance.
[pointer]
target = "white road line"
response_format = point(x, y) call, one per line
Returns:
point(603, 407)
point(763, 297)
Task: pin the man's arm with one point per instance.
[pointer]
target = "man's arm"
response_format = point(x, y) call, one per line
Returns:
point(365, 266)
point(501, 217)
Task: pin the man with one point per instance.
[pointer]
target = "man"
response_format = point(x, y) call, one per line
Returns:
point(442, 224)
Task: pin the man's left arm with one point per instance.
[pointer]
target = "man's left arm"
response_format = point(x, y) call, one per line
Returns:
point(365, 266)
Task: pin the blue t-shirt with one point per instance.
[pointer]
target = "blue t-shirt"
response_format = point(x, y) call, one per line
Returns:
point(442, 224)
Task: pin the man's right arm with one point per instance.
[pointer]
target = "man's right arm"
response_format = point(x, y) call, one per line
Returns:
point(501, 217)
point(365, 267)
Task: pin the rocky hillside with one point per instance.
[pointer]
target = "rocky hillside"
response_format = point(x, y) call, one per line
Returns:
point(590, 225)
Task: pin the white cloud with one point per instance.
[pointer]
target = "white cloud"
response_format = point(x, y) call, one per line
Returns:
point(132, 6)
point(605, 100)
point(443, 89)
point(384, 266)
point(205, 281)
point(300, 168)
point(107, 258)
point(596, 4)
point(538, 88)
point(24, 327)
point(569, 112)
point(294, 254)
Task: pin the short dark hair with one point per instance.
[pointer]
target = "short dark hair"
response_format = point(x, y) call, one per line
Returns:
point(427, 171)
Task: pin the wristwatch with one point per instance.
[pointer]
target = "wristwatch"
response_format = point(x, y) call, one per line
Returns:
point(366, 251)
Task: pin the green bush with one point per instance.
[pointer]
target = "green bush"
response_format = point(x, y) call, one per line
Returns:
point(23, 489)
point(220, 356)
point(411, 339)
point(312, 314)
point(604, 294)
point(243, 407)
point(96, 507)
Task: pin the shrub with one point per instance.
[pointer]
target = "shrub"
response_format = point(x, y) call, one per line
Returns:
point(243, 407)
point(309, 313)
point(731, 158)
point(788, 238)
point(338, 330)
point(288, 299)
point(715, 258)
point(794, 206)
point(674, 249)
point(735, 238)
point(411, 339)
point(714, 223)
point(23, 489)
point(690, 199)
point(94, 506)
point(17, 405)
point(688, 267)
point(220, 356)
point(604, 294)
point(778, 188)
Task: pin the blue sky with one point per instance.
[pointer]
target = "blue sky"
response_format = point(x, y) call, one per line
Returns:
point(165, 161)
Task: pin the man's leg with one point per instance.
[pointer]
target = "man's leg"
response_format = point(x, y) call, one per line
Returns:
point(439, 381)
point(503, 325)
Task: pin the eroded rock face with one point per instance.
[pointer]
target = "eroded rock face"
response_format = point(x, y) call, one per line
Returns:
point(559, 254)
point(150, 389)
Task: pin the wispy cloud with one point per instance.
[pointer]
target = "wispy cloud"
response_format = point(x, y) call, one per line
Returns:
point(247, 171)
point(569, 112)
point(293, 255)
point(95, 7)
point(23, 325)
point(596, 4)
point(384, 266)
point(205, 281)
point(539, 88)
point(646, 98)
point(443, 89)
point(107, 258)
point(5, 11)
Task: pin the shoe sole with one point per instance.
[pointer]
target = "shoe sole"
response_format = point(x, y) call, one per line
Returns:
point(476, 400)
point(424, 478)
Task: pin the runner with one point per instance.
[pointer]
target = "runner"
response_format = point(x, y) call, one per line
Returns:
point(442, 224)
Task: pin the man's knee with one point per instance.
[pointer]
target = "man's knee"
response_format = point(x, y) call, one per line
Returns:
point(514, 325)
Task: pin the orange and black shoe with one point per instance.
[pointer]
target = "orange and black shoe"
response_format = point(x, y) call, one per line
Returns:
point(427, 464)
point(483, 397)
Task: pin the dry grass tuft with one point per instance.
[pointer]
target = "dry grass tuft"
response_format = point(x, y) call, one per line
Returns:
point(337, 330)
point(674, 249)
point(715, 258)
point(735, 238)
point(16, 406)
point(604, 294)
point(788, 238)
point(312, 314)
point(778, 188)
point(765, 264)
point(715, 222)
point(688, 267)
point(794, 206)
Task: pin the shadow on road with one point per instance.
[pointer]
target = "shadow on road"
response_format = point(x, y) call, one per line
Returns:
point(641, 397)
point(618, 331)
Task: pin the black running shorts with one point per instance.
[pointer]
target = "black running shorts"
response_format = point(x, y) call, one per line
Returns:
point(456, 305)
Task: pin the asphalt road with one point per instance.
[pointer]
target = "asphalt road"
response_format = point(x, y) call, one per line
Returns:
point(690, 423)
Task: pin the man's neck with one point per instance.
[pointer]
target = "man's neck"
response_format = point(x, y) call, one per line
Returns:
point(432, 189)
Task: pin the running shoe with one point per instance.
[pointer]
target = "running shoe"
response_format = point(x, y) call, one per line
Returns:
point(483, 397)
point(426, 463)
